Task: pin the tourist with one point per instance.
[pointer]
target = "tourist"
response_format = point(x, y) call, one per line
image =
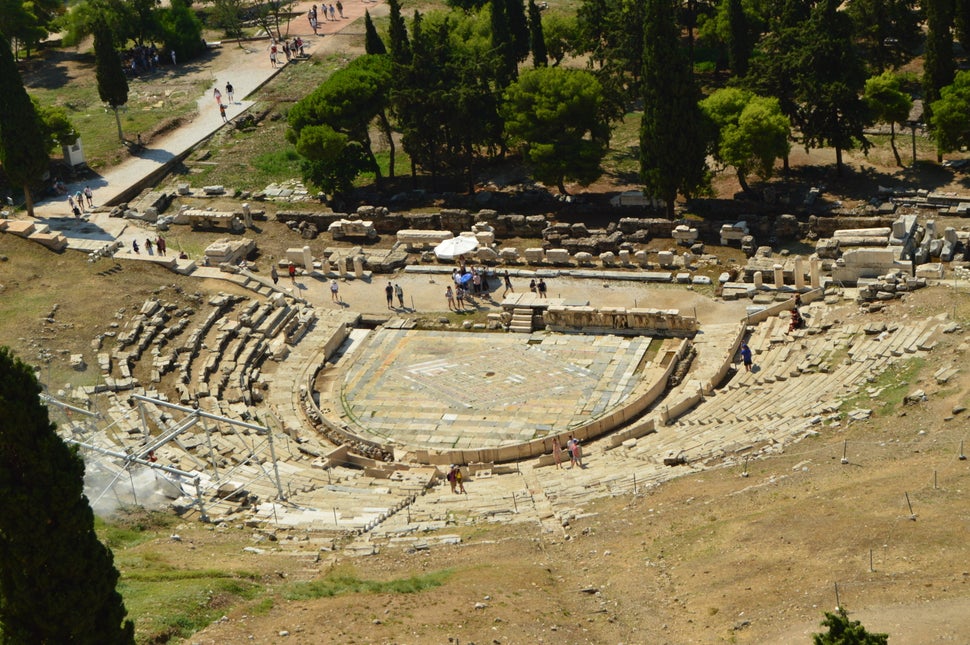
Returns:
point(746, 357)
point(532, 285)
point(134, 246)
point(571, 444)
point(149, 246)
point(274, 275)
point(340, 9)
point(222, 113)
point(453, 478)
point(508, 283)
point(334, 291)
point(292, 271)
point(541, 286)
point(229, 93)
point(217, 95)
point(89, 195)
point(161, 245)
point(459, 480)
point(557, 451)
point(399, 292)
point(460, 299)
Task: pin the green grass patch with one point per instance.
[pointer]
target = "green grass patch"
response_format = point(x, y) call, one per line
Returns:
point(622, 161)
point(344, 582)
point(894, 384)
point(284, 162)
point(179, 606)
point(132, 527)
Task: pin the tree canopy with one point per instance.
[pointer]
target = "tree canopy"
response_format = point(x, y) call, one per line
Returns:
point(842, 631)
point(951, 115)
point(57, 581)
point(23, 147)
point(112, 84)
point(674, 133)
point(753, 131)
point(557, 117)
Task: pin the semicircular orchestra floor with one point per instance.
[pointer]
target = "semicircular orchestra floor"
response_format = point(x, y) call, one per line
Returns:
point(452, 390)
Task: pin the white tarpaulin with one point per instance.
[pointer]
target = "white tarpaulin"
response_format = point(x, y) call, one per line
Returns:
point(451, 249)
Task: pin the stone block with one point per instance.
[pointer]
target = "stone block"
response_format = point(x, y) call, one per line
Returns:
point(557, 256)
point(534, 255)
point(214, 190)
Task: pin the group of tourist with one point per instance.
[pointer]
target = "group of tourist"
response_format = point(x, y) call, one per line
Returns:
point(574, 449)
point(329, 13)
point(151, 245)
point(141, 59)
point(290, 49)
point(456, 480)
point(76, 201)
point(392, 290)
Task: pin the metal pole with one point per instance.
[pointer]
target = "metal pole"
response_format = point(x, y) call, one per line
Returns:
point(212, 452)
point(276, 467)
point(144, 420)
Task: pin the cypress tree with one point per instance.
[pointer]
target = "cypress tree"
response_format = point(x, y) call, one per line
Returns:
point(57, 581)
point(399, 46)
point(112, 84)
point(372, 40)
point(518, 28)
point(739, 49)
point(23, 152)
point(506, 63)
point(938, 66)
point(539, 56)
point(674, 132)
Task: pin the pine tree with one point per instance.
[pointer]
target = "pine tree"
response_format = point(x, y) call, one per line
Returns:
point(539, 56)
point(57, 581)
point(372, 40)
point(674, 132)
point(829, 86)
point(23, 153)
point(112, 84)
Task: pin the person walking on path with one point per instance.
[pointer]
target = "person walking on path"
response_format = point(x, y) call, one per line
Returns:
point(460, 299)
point(746, 357)
point(508, 283)
point(557, 451)
point(389, 292)
point(229, 94)
point(149, 247)
point(292, 271)
point(333, 14)
point(274, 275)
point(160, 245)
point(218, 95)
point(134, 246)
point(70, 203)
point(222, 113)
point(340, 9)
point(334, 291)
point(542, 288)
point(459, 480)
point(450, 297)
point(89, 195)
point(399, 292)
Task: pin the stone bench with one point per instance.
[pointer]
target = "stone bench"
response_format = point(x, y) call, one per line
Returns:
point(414, 238)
